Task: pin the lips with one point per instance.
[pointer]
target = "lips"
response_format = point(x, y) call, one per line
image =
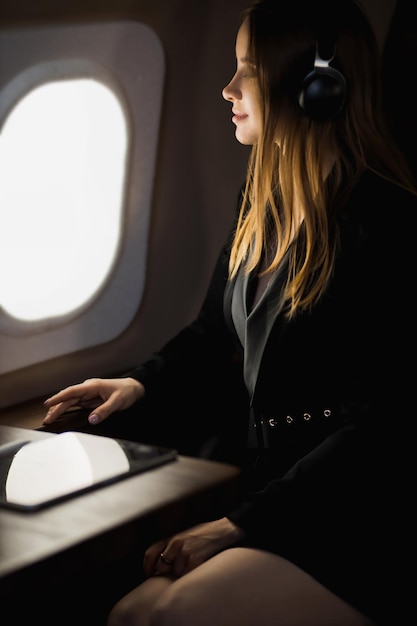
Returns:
point(237, 116)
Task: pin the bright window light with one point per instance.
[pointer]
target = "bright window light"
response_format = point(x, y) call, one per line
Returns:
point(63, 155)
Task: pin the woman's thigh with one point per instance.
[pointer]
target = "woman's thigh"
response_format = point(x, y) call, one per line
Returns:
point(243, 587)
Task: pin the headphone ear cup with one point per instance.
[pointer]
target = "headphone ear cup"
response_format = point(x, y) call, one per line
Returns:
point(323, 93)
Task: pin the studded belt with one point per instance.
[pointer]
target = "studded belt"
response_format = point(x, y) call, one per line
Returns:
point(271, 430)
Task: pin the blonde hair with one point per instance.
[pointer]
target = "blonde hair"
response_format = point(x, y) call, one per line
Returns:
point(295, 190)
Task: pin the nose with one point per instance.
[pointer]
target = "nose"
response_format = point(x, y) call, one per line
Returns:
point(231, 92)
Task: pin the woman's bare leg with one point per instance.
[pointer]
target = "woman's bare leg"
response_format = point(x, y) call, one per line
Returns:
point(135, 608)
point(238, 587)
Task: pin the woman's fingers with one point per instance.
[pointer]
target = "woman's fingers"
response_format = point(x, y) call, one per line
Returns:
point(152, 561)
point(166, 558)
point(59, 409)
point(105, 395)
point(184, 551)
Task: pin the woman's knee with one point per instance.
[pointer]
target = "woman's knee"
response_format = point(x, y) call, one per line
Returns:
point(176, 607)
point(122, 615)
point(135, 608)
point(129, 612)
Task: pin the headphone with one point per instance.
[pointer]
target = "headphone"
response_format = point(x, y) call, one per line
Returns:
point(324, 89)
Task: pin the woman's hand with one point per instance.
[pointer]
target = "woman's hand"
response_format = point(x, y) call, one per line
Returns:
point(103, 395)
point(186, 550)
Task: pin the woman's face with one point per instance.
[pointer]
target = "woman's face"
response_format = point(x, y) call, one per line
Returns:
point(243, 93)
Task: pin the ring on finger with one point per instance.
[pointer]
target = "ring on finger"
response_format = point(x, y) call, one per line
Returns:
point(165, 560)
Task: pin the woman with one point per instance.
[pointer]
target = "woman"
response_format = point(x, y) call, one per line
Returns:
point(312, 291)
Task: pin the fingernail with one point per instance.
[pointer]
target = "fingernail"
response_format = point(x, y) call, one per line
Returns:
point(93, 419)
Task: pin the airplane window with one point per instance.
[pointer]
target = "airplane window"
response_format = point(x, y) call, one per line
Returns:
point(63, 160)
point(80, 110)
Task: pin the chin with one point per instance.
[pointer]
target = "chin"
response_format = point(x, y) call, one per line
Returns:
point(245, 141)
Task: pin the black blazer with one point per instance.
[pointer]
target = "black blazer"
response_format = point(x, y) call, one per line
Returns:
point(334, 404)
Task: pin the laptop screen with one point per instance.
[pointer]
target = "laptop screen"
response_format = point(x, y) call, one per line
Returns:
point(40, 473)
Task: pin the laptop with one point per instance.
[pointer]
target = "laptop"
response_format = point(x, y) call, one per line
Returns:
point(36, 474)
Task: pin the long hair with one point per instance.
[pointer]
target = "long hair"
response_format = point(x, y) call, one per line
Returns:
point(301, 170)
